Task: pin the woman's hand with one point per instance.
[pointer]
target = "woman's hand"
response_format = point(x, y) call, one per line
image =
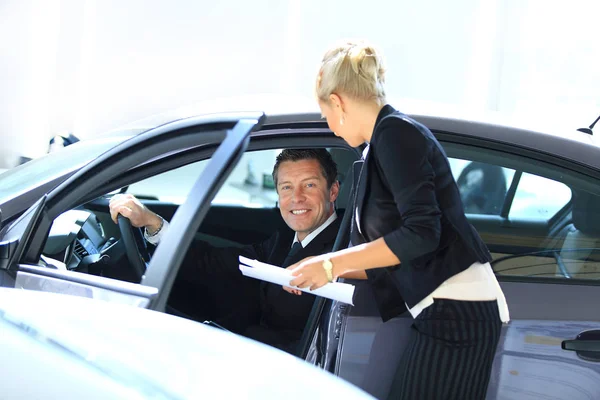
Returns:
point(292, 267)
point(292, 290)
point(308, 273)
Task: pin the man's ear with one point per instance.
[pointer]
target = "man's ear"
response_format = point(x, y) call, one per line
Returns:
point(334, 191)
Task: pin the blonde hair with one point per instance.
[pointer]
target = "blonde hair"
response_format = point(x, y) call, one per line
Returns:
point(353, 68)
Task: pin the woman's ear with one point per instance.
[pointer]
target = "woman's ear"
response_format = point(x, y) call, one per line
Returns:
point(336, 102)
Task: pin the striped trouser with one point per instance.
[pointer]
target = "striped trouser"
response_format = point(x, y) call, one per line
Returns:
point(450, 352)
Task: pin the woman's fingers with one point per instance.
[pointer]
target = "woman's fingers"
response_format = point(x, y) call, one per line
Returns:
point(292, 290)
point(297, 281)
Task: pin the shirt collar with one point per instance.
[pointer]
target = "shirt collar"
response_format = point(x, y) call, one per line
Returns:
point(384, 112)
point(365, 152)
point(314, 233)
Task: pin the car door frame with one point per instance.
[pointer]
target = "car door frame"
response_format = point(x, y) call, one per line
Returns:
point(286, 134)
point(229, 131)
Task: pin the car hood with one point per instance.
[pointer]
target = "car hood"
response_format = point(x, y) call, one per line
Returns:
point(151, 351)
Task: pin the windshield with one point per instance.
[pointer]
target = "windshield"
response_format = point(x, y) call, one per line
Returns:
point(52, 166)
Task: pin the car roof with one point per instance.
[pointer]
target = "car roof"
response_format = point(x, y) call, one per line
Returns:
point(574, 146)
point(555, 136)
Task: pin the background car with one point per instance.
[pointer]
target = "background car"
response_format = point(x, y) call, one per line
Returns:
point(531, 195)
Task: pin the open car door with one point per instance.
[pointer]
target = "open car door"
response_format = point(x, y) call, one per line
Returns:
point(21, 243)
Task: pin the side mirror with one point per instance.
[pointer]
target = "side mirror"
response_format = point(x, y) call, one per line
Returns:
point(60, 141)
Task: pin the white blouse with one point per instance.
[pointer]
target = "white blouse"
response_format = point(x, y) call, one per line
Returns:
point(476, 283)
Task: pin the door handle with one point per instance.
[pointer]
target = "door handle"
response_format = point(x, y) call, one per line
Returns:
point(586, 345)
point(581, 345)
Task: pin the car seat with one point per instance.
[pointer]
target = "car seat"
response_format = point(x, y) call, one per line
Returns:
point(482, 188)
point(580, 252)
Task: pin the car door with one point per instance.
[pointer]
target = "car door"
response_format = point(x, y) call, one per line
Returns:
point(541, 226)
point(21, 242)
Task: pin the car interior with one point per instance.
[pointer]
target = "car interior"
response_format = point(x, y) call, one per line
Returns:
point(243, 212)
point(537, 219)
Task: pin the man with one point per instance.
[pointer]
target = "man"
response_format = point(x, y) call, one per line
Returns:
point(306, 184)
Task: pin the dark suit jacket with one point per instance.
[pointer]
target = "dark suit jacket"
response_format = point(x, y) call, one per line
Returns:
point(407, 195)
point(212, 282)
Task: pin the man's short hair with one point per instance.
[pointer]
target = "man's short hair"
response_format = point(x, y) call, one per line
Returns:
point(328, 166)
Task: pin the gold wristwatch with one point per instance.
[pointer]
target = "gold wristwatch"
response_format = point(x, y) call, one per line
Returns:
point(328, 267)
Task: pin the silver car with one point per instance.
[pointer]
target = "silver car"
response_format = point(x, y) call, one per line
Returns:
point(533, 196)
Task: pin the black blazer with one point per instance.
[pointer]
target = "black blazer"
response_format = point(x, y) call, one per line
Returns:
point(280, 309)
point(212, 281)
point(407, 195)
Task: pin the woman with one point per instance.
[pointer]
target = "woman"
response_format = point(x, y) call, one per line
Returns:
point(411, 237)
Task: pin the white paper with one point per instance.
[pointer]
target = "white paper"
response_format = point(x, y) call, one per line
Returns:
point(280, 276)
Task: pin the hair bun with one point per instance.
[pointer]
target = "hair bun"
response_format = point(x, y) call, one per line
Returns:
point(366, 61)
point(354, 68)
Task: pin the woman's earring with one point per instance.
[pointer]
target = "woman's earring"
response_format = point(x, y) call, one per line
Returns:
point(342, 120)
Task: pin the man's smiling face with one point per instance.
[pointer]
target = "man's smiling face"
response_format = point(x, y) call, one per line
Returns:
point(305, 201)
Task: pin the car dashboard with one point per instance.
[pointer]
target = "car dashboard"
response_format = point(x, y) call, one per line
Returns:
point(77, 241)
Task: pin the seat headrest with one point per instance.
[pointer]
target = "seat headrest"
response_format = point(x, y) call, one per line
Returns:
point(586, 212)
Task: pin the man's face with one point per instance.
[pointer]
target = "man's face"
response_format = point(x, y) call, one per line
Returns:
point(305, 201)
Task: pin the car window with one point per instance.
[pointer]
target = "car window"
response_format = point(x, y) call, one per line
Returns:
point(538, 198)
point(539, 220)
point(483, 189)
point(249, 185)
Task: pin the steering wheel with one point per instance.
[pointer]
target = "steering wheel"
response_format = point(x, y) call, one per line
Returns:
point(135, 246)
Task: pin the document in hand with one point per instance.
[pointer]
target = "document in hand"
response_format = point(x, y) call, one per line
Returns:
point(280, 276)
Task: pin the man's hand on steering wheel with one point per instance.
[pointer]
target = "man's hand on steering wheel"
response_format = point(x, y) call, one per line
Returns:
point(131, 215)
point(131, 208)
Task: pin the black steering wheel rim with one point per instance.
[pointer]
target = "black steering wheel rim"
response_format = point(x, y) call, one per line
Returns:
point(135, 246)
